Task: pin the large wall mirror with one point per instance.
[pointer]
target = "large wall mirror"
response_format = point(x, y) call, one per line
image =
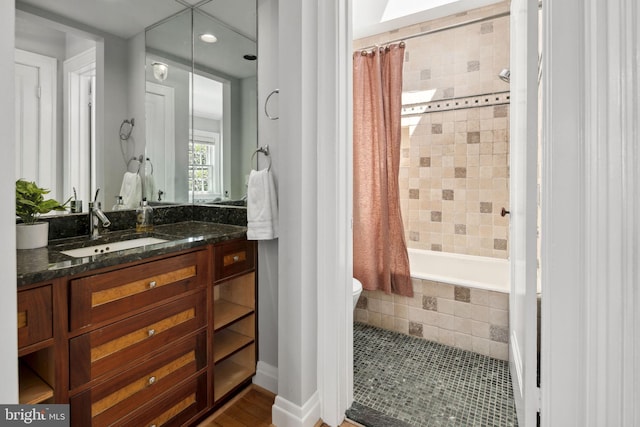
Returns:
point(160, 92)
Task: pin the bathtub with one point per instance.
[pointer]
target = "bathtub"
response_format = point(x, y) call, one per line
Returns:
point(464, 270)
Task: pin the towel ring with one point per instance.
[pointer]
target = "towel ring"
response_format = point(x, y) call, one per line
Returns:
point(151, 163)
point(133, 159)
point(266, 103)
point(264, 150)
point(139, 160)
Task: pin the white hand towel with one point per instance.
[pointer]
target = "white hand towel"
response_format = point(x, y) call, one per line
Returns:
point(131, 190)
point(262, 206)
point(149, 188)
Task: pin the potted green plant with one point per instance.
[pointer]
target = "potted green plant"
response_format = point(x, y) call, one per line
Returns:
point(30, 204)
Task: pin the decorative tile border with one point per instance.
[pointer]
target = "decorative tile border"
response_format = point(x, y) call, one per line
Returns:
point(485, 100)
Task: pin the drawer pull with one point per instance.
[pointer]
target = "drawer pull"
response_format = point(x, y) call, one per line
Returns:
point(151, 381)
point(234, 258)
point(152, 425)
point(152, 284)
point(23, 319)
point(151, 332)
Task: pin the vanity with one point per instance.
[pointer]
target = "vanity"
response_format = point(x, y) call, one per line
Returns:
point(149, 336)
point(164, 332)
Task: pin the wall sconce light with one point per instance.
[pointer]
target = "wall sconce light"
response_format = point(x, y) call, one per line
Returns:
point(160, 71)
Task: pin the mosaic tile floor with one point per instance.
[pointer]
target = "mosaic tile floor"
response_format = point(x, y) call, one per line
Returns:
point(405, 381)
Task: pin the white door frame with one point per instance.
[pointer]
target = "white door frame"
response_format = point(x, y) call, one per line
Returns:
point(79, 128)
point(335, 210)
point(523, 206)
point(46, 155)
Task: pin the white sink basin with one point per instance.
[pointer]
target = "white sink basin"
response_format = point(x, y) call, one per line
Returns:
point(112, 247)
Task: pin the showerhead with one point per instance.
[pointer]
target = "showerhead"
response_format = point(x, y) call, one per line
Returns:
point(505, 75)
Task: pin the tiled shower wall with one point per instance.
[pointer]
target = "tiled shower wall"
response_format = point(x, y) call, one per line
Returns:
point(454, 169)
point(471, 319)
point(454, 182)
point(454, 177)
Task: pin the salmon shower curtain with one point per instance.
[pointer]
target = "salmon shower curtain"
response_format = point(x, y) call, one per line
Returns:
point(380, 259)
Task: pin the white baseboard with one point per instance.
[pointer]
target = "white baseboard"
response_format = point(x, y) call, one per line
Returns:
point(266, 377)
point(287, 414)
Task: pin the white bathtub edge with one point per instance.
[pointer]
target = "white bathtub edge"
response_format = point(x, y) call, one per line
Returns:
point(434, 268)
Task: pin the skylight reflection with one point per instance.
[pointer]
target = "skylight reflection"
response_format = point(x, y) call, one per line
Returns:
point(400, 8)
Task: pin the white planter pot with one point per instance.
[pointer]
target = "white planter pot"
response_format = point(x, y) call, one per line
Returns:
point(31, 236)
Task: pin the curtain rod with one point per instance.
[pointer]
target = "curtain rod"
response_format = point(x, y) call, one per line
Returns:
point(437, 30)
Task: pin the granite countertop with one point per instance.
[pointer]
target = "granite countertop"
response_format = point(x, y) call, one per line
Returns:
point(37, 265)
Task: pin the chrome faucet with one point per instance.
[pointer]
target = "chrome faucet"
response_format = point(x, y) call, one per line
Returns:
point(96, 217)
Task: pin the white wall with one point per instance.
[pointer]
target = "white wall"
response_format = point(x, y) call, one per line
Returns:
point(248, 137)
point(8, 300)
point(113, 96)
point(136, 88)
point(267, 375)
point(76, 45)
point(297, 402)
point(314, 254)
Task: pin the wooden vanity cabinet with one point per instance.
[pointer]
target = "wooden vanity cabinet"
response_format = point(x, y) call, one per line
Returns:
point(134, 391)
point(234, 318)
point(113, 348)
point(36, 367)
point(104, 297)
point(152, 343)
point(141, 336)
point(35, 316)
point(234, 258)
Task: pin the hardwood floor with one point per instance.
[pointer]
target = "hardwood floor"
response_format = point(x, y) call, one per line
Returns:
point(251, 408)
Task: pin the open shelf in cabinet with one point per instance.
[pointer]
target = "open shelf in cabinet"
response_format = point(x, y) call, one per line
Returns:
point(32, 388)
point(227, 312)
point(233, 300)
point(232, 371)
point(36, 376)
point(233, 338)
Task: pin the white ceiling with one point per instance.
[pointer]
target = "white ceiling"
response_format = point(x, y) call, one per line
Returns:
point(369, 17)
point(233, 23)
point(126, 18)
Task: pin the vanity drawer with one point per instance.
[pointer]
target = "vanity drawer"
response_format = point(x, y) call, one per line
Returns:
point(115, 347)
point(35, 316)
point(123, 394)
point(232, 258)
point(101, 297)
point(177, 408)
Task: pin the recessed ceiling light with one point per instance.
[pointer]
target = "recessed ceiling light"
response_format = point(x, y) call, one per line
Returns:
point(208, 38)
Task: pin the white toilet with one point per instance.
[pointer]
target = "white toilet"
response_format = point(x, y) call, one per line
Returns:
point(357, 290)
